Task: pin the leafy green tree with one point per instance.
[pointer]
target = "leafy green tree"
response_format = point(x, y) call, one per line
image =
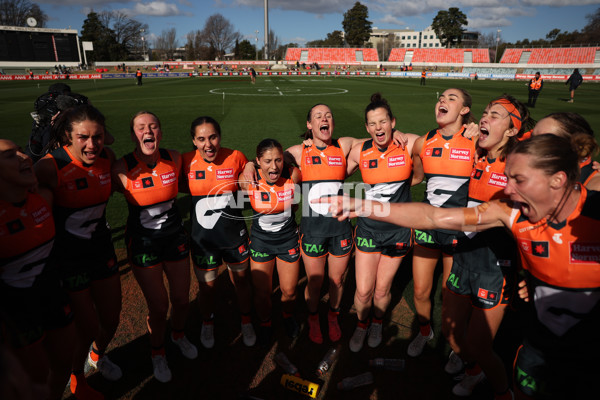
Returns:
point(448, 26)
point(94, 31)
point(335, 39)
point(245, 50)
point(356, 26)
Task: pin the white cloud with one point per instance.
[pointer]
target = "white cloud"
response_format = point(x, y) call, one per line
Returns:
point(309, 6)
point(490, 22)
point(389, 19)
point(156, 9)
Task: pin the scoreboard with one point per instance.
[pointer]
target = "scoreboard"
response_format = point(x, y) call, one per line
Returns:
point(38, 44)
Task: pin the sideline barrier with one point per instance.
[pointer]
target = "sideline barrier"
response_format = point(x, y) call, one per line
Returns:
point(391, 74)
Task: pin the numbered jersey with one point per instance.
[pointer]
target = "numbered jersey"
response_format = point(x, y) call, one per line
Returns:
point(387, 174)
point(563, 261)
point(323, 174)
point(272, 205)
point(81, 195)
point(150, 192)
point(26, 238)
point(216, 209)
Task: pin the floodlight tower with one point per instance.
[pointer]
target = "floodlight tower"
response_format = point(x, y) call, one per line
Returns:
point(266, 54)
point(497, 42)
point(256, 49)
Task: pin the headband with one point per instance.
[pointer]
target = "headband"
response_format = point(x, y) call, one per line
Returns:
point(515, 115)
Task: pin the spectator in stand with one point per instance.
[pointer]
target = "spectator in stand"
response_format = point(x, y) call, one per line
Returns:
point(535, 86)
point(574, 81)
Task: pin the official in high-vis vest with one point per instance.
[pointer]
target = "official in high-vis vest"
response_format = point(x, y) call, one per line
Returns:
point(535, 87)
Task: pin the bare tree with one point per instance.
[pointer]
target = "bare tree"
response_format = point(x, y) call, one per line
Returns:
point(166, 43)
point(220, 34)
point(197, 47)
point(126, 31)
point(16, 12)
point(274, 46)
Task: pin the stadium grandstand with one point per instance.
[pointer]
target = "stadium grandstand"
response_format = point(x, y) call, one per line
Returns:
point(541, 56)
point(331, 55)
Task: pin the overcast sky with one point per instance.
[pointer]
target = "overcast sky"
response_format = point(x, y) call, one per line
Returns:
point(299, 21)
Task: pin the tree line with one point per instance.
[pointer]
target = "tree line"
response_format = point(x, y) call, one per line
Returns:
point(116, 36)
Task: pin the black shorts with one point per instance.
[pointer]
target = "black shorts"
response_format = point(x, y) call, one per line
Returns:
point(436, 240)
point(317, 247)
point(547, 376)
point(210, 258)
point(28, 313)
point(147, 252)
point(394, 243)
point(287, 249)
point(81, 261)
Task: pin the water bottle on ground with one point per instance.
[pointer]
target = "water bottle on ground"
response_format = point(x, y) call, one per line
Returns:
point(356, 381)
point(328, 360)
point(391, 364)
point(286, 364)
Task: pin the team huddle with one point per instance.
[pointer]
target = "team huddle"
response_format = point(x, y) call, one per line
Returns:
point(511, 207)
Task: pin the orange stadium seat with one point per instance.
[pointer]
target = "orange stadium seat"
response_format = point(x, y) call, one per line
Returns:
point(564, 55)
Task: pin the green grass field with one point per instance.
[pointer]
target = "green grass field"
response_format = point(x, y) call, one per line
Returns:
point(275, 107)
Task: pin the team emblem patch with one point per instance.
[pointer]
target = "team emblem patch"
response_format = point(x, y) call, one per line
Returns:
point(81, 183)
point(200, 174)
point(437, 152)
point(486, 294)
point(147, 182)
point(316, 160)
point(15, 226)
point(372, 164)
point(477, 173)
point(265, 196)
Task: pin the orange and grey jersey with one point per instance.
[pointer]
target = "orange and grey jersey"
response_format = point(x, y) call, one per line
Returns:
point(447, 163)
point(26, 239)
point(487, 181)
point(323, 174)
point(150, 192)
point(216, 213)
point(587, 171)
point(563, 261)
point(387, 174)
point(81, 195)
point(272, 205)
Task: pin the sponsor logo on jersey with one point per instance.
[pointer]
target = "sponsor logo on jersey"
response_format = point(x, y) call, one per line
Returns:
point(498, 180)
point(476, 174)
point(285, 195)
point(225, 173)
point(265, 196)
point(81, 183)
point(334, 161)
point(316, 160)
point(557, 237)
point(460, 154)
point(486, 294)
point(168, 178)
point(40, 215)
point(535, 248)
point(372, 164)
point(15, 226)
point(104, 178)
point(396, 161)
point(584, 253)
point(197, 175)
